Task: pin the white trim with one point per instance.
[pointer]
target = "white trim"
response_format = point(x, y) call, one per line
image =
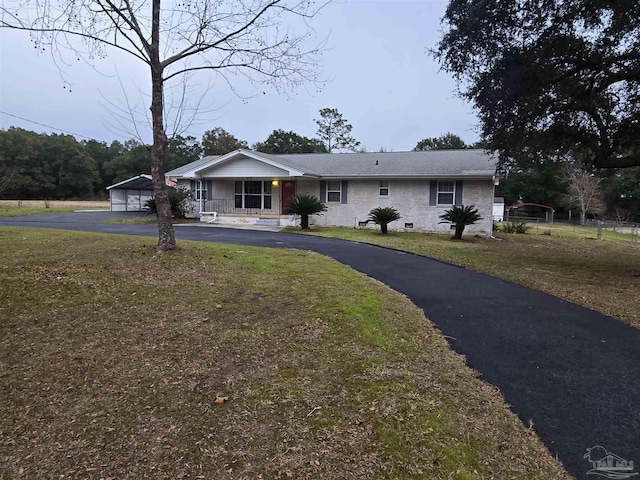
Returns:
point(142, 175)
point(338, 191)
point(195, 173)
point(387, 187)
point(452, 192)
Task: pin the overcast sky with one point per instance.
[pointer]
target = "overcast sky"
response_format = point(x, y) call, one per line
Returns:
point(382, 80)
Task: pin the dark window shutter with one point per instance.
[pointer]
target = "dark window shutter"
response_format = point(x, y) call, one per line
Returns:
point(343, 193)
point(458, 199)
point(323, 190)
point(193, 188)
point(433, 192)
point(209, 189)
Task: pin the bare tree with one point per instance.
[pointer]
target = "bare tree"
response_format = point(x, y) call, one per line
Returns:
point(239, 39)
point(584, 192)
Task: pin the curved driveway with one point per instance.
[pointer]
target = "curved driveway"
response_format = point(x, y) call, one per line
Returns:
point(569, 370)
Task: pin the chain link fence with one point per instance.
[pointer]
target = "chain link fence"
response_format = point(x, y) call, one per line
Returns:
point(592, 228)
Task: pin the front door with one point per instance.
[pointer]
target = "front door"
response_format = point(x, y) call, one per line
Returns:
point(288, 191)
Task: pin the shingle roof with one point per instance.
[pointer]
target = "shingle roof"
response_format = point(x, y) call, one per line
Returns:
point(177, 172)
point(427, 163)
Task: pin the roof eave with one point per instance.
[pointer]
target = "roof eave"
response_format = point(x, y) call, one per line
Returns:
point(417, 176)
point(123, 182)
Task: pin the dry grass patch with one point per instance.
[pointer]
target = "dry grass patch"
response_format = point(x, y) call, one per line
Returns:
point(115, 363)
point(602, 275)
point(16, 208)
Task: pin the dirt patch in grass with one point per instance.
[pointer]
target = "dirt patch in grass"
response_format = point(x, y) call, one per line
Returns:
point(603, 275)
point(116, 363)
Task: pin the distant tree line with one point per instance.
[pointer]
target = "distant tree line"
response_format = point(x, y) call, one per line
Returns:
point(59, 167)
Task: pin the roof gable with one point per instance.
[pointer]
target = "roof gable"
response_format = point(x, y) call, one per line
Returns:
point(139, 182)
point(258, 161)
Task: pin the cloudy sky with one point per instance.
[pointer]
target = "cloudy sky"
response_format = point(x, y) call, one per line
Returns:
point(381, 79)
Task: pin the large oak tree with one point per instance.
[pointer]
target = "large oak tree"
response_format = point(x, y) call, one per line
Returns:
point(550, 77)
point(248, 39)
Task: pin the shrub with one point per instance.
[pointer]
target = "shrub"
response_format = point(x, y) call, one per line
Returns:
point(304, 205)
point(179, 198)
point(460, 216)
point(383, 216)
point(515, 227)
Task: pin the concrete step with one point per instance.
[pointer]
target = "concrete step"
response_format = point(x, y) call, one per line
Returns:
point(268, 221)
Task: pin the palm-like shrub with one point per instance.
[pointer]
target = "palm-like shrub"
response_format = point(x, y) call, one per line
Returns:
point(179, 198)
point(460, 216)
point(383, 216)
point(304, 205)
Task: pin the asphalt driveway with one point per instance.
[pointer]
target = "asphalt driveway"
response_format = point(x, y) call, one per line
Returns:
point(569, 371)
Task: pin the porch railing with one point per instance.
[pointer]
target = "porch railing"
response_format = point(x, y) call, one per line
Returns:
point(227, 205)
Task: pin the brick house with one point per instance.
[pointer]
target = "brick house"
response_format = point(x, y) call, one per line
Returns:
point(244, 186)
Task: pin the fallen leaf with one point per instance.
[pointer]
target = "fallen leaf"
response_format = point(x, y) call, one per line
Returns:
point(221, 399)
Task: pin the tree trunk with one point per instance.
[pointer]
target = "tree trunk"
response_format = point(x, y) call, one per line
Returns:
point(383, 228)
point(458, 232)
point(304, 221)
point(166, 235)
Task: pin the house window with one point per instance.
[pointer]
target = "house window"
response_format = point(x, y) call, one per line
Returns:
point(333, 191)
point(253, 194)
point(201, 190)
point(384, 188)
point(238, 194)
point(266, 196)
point(446, 192)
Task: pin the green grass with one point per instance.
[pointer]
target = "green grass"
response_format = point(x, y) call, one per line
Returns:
point(602, 275)
point(112, 358)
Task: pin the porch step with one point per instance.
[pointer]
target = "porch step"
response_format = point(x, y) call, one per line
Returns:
point(268, 221)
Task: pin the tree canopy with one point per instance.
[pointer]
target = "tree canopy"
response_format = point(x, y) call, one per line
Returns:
point(334, 131)
point(550, 78)
point(45, 166)
point(218, 141)
point(448, 141)
point(281, 142)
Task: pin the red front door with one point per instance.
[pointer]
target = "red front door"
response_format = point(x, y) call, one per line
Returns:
point(288, 191)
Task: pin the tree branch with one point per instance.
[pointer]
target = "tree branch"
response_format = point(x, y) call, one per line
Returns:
point(193, 49)
point(76, 34)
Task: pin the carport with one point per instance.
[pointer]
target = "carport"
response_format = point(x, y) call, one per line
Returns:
point(131, 195)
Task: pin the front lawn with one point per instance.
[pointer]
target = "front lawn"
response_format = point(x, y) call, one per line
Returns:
point(603, 275)
point(221, 361)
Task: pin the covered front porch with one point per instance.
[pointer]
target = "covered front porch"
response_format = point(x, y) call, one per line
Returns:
point(245, 196)
point(244, 187)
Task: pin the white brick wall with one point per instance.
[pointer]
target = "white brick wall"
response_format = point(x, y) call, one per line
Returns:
point(409, 197)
